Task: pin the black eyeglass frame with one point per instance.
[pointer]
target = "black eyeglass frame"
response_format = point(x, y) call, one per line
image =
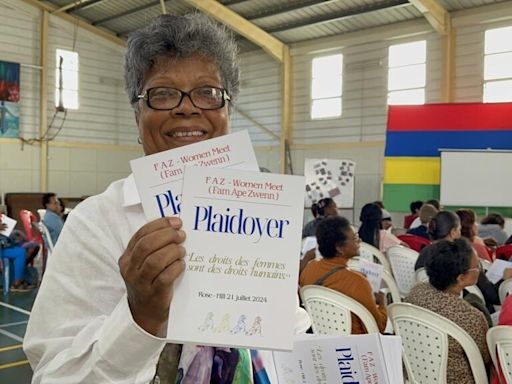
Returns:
point(145, 96)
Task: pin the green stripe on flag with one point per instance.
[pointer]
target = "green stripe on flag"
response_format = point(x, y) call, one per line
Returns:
point(397, 197)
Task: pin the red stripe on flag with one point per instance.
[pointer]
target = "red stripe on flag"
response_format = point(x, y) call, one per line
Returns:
point(450, 117)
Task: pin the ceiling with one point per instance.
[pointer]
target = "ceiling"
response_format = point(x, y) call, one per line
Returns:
point(290, 21)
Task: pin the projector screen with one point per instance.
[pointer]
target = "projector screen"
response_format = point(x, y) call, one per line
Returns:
point(476, 178)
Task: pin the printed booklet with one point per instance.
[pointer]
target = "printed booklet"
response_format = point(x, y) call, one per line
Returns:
point(9, 222)
point(243, 245)
point(158, 177)
point(344, 359)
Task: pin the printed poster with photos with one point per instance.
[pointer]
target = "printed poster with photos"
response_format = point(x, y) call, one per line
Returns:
point(329, 178)
point(9, 98)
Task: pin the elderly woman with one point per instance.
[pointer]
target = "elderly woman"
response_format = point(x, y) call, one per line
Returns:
point(452, 267)
point(338, 243)
point(102, 309)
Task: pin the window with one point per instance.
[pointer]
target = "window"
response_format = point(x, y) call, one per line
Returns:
point(407, 69)
point(66, 79)
point(498, 65)
point(326, 86)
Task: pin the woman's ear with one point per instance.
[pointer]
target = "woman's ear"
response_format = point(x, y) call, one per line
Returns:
point(339, 250)
point(461, 280)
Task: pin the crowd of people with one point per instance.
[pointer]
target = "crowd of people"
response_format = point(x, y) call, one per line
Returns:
point(451, 261)
point(20, 250)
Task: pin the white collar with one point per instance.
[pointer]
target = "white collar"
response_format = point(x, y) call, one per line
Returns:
point(130, 194)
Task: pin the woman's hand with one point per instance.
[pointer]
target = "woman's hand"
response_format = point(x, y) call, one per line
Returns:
point(151, 263)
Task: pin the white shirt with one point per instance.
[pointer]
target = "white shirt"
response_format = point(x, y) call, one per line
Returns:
point(81, 329)
point(416, 223)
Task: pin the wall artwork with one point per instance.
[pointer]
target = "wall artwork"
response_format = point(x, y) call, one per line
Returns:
point(330, 178)
point(9, 99)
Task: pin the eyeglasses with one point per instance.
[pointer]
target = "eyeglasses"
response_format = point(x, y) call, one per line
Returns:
point(167, 98)
point(478, 269)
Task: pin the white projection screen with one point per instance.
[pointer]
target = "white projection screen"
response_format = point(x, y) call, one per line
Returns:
point(476, 178)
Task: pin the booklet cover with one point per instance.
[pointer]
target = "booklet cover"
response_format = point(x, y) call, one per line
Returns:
point(158, 177)
point(11, 224)
point(243, 247)
point(495, 272)
point(347, 359)
point(373, 273)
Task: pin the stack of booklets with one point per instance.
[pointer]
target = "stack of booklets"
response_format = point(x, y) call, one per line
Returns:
point(243, 242)
point(349, 359)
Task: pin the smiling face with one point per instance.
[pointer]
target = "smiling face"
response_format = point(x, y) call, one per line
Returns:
point(185, 124)
point(351, 246)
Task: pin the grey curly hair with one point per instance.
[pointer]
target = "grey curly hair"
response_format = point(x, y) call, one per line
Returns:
point(181, 37)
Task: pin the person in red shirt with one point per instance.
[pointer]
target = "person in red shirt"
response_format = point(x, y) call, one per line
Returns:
point(415, 211)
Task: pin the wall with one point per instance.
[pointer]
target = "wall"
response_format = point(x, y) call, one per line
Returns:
point(97, 140)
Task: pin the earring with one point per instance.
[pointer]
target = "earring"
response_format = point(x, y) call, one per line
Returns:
point(139, 140)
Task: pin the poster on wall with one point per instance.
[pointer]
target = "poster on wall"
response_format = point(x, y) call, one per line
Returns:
point(332, 178)
point(9, 81)
point(9, 119)
point(9, 98)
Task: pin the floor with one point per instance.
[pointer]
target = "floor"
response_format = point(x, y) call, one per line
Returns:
point(14, 312)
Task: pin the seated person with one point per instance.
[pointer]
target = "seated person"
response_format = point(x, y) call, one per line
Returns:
point(445, 225)
point(435, 203)
point(325, 207)
point(427, 211)
point(492, 226)
point(337, 243)
point(469, 230)
point(371, 231)
point(452, 267)
point(387, 220)
point(415, 209)
point(52, 218)
point(18, 255)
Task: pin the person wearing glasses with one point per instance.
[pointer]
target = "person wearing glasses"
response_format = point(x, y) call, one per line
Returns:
point(101, 313)
point(453, 266)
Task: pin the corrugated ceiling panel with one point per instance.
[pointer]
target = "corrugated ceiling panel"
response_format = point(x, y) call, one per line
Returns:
point(107, 8)
point(301, 19)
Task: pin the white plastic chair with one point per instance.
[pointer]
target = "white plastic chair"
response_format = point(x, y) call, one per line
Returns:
point(425, 342)
point(46, 235)
point(402, 262)
point(369, 252)
point(41, 212)
point(505, 289)
point(499, 342)
point(330, 311)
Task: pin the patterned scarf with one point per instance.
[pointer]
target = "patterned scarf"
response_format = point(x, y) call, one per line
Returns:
point(190, 364)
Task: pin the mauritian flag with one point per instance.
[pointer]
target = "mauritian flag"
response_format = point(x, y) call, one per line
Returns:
point(415, 135)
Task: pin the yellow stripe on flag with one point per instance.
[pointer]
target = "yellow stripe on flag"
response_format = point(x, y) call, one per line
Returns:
point(412, 170)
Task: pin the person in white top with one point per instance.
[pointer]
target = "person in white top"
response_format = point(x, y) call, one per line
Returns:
point(102, 309)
